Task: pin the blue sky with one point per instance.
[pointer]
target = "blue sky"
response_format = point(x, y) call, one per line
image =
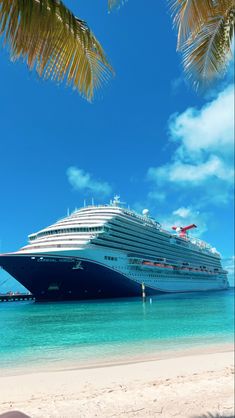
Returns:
point(147, 136)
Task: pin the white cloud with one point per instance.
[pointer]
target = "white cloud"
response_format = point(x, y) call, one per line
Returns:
point(83, 181)
point(157, 196)
point(228, 264)
point(180, 172)
point(207, 129)
point(203, 157)
point(183, 212)
point(176, 84)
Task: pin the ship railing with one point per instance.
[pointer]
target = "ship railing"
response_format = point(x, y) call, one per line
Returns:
point(196, 241)
point(203, 245)
point(200, 243)
point(167, 232)
point(149, 221)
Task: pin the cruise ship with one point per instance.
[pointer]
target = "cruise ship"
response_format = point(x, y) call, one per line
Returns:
point(110, 251)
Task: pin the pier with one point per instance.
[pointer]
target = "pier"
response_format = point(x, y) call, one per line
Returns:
point(18, 297)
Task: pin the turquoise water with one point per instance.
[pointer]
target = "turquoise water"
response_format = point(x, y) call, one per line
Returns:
point(55, 333)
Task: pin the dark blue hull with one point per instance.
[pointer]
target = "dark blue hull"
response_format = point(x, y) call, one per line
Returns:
point(62, 278)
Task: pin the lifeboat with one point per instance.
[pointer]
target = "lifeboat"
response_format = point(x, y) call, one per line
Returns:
point(148, 263)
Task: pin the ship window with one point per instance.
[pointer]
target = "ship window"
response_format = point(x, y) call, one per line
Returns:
point(107, 257)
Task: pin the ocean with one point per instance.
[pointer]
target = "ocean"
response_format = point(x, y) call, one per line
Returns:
point(34, 335)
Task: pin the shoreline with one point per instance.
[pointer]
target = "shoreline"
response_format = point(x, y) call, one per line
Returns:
point(121, 360)
point(186, 385)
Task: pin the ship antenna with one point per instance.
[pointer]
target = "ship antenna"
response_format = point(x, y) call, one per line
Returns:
point(84, 203)
point(67, 211)
point(92, 201)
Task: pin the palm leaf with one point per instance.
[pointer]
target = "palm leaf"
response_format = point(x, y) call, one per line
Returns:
point(206, 53)
point(54, 42)
point(189, 15)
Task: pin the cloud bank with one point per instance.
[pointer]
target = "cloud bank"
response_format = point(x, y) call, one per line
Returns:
point(84, 182)
point(203, 157)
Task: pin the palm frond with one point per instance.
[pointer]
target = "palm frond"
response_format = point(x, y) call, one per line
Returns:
point(188, 16)
point(206, 53)
point(54, 42)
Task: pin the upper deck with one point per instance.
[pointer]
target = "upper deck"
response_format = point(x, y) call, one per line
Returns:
point(93, 222)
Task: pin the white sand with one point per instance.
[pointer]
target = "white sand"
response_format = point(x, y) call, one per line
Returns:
point(188, 386)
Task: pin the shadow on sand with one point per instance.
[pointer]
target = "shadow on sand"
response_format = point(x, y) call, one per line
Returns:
point(14, 414)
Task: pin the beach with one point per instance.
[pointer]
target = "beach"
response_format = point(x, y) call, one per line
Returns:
point(195, 383)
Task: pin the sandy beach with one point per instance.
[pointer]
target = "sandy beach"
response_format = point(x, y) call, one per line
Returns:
point(191, 385)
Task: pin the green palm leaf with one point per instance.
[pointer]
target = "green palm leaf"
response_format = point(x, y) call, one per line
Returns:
point(52, 40)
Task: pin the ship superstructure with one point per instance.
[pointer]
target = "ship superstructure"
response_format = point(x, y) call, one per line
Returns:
point(111, 251)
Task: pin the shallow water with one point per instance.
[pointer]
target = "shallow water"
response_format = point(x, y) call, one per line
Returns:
point(50, 333)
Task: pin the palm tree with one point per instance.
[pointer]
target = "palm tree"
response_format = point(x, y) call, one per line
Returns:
point(55, 42)
point(205, 35)
point(59, 45)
